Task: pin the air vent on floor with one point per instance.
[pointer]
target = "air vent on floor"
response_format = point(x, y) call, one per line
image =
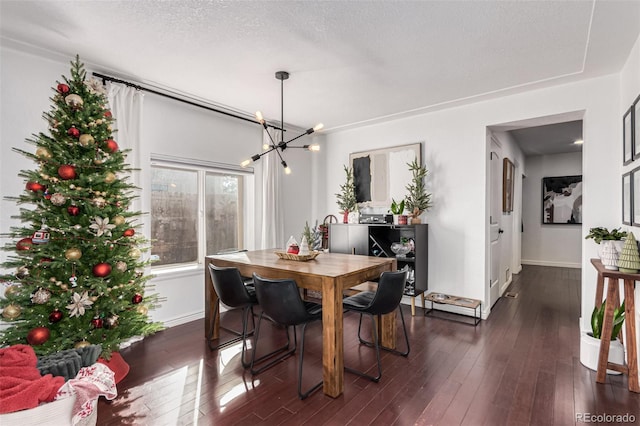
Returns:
point(511, 294)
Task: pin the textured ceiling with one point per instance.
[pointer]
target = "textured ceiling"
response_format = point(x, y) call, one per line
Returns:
point(350, 62)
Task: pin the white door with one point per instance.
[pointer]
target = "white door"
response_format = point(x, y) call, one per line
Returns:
point(494, 222)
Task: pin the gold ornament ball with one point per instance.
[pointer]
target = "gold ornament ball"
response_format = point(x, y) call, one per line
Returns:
point(85, 140)
point(11, 312)
point(43, 152)
point(135, 253)
point(121, 266)
point(82, 344)
point(118, 220)
point(109, 177)
point(73, 254)
point(74, 101)
point(142, 310)
point(11, 291)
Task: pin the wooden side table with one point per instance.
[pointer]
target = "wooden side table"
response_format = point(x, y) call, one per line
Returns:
point(613, 298)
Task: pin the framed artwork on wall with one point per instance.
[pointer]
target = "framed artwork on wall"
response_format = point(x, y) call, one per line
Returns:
point(627, 198)
point(508, 170)
point(629, 151)
point(635, 195)
point(636, 122)
point(562, 200)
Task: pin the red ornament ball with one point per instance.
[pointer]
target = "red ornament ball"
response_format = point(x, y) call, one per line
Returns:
point(137, 298)
point(63, 88)
point(35, 186)
point(111, 145)
point(73, 132)
point(38, 336)
point(102, 270)
point(55, 316)
point(24, 244)
point(67, 172)
point(129, 232)
point(73, 210)
point(108, 114)
point(96, 322)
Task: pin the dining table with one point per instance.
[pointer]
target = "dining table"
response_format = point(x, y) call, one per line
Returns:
point(330, 274)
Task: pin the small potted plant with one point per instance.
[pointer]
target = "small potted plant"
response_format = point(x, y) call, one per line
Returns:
point(397, 209)
point(590, 342)
point(600, 234)
point(418, 199)
point(346, 198)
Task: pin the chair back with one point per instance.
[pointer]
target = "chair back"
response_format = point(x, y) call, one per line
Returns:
point(228, 284)
point(389, 293)
point(280, 300)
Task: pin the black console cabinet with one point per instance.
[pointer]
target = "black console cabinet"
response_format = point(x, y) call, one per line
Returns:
point(376, 240)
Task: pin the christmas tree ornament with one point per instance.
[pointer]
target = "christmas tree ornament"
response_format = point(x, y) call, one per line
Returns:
point(58, 199)
point(111, 321)
point(55, 316)
point(77, 227)
point(73, 132)
point(121, 266)
point(63, 88)
point(22, 272)
point(67, 172)
point(101, 270)
point(74, 101)
point(47, 195)
point(82, 344)
point(38, 336)
point(98, 160)
point(42, 236)
point(112, 145)
point(86, 139)
point(95, 86)
point(629, 260)
point(135, 253)
point(35, 186)
point(96, 322)
point(129, 232)
point(101, 226)
point(142, 309)
point(137, 298)
point(45, 261)
point(73, 253)
point(11, 291)
point(24, 244)
point(609, 255)
point(11, 312)
point(43, 152)
point(41, 296)
point(73, 210)
point(99, 202)
point(79, 303)
point(73, 280)
point(119, 220)
point(108, 114)
point(109, 177)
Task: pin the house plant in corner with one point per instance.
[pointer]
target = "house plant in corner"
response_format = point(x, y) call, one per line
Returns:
point(346, 198)
point(590, 342)
point(418, 199)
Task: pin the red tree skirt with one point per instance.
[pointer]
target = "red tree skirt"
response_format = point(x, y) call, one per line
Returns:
point(117, 364)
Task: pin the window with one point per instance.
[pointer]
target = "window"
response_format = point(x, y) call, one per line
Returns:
point(196, 210)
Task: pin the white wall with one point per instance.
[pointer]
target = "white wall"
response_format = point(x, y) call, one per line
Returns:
point(169, 128)
point(455, 152)
point(549, 245)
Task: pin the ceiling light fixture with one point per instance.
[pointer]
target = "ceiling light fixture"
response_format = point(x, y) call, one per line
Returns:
point(279, 147)
point(578, 142)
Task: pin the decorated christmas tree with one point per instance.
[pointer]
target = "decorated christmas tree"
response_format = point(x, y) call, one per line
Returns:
point(629, 261)
point(346, 198)
point(76, 272)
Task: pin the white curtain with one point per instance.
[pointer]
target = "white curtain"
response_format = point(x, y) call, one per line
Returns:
point(126, 107)
point(272, 214)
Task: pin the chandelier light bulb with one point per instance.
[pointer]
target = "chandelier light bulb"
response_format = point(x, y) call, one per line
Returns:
point(317, 127)
point(265, 146)
point(315, 147)
point(259, 117)
point(287, 170)
point(245, 163)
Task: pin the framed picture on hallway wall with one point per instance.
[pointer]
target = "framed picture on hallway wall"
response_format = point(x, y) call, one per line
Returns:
point(627, 200)
point(635, 196)
point(629, 151)
point(562, 200)
point(508, 170)
point(636, 122)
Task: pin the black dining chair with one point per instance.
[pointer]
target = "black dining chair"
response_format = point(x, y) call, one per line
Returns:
point(384, 300)
point(281, 303)
point(236, 293)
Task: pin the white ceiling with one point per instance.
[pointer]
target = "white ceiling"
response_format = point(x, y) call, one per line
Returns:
point(351, 62)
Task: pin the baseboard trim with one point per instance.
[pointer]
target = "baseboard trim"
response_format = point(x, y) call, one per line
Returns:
point(550, 263)
point(183, 319)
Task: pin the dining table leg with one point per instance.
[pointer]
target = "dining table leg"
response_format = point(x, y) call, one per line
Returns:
point(332, 338)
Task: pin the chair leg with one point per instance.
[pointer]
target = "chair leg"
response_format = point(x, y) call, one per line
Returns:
point(376, 346)
point(394, 351)
point(300, 362)
point(285, 349)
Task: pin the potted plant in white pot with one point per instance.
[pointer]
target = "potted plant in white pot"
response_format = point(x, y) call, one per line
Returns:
point(590, 342)
point(397, 209)
point(418, 199)
point(600, 234)
point(346, 198)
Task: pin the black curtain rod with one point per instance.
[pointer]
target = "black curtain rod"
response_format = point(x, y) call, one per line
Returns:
point(155, 92)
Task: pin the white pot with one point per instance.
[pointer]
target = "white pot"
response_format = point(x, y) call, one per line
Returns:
point(617, 243)
point(590, 351)
point(354, 217)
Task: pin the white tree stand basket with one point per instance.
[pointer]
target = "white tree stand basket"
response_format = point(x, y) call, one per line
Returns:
point(56, 413)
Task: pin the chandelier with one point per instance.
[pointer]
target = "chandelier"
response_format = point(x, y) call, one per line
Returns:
point(280, 146)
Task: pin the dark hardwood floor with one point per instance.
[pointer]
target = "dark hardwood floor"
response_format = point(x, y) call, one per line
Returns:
point(519, 367)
